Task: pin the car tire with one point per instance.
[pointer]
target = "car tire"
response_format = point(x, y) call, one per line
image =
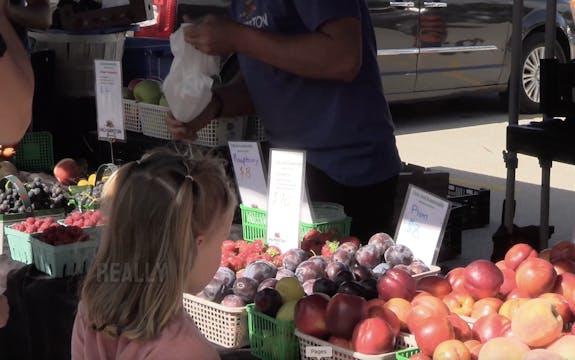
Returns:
point(533, 51)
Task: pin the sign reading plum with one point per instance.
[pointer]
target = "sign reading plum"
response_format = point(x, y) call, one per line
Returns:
point(422, 224)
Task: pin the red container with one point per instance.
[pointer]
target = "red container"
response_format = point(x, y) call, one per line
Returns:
point(165, 15)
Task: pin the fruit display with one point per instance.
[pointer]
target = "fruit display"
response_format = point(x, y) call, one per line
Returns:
point(85, 219)
point(42, 196)
point(62, 235)
point(148, 91)
point(88, 198)
point(34, 225)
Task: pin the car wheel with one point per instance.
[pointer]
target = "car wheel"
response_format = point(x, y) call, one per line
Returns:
point(529, 89)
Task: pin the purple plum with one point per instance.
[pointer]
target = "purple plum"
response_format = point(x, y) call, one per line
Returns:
point(318, 259)
point(309, 270)
point(294, 257)
point(215, 290)
point(344, 257)
point(260, 270)
point(349, 247)
point(368, 256)
point(246, 288)
point(380, 269)
point(226, 275)
point(308, 286)
point(361, 272)
point(283, 272)
point(333, 268)
point(233, 300)
point(267, 283)
point(343, 276)
point(418, 267)
point(398, 254)
point(405, 268)
point(382, 242)
point(325, 286)
point(268, 301)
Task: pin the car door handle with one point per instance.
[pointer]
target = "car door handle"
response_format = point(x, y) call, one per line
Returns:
point(402, 3)
point(433, 4)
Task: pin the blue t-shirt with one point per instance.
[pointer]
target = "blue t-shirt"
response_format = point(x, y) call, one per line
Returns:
point(345, 128)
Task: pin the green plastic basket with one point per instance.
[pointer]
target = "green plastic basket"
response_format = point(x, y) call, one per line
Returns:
point(63, 260)
point(406, 353)
point(95, 232)
point(271, 339)
point(254, 224)
point(20, 245)
point(35, 152)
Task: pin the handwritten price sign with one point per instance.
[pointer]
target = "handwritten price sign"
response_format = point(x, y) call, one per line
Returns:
point(249, 173)
point(422, 224)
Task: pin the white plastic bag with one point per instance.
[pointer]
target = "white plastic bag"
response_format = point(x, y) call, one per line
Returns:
point(187, 87)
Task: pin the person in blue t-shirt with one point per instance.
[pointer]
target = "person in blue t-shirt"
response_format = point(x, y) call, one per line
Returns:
point(309, 71)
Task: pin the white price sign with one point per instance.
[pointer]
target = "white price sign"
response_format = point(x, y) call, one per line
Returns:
point(249, 173)
point(422, 224)
point(109, 100)
point(287, 173)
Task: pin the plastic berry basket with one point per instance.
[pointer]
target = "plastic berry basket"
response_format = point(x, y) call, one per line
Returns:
point(95, 232)
point(406, 353)
point(271, 338)
point(153, 120)
point(63, 260)
point(20, 244)
point(222, 325)
point(254, 224)
point(131, 116)
point(402, 341)
point(35, 152)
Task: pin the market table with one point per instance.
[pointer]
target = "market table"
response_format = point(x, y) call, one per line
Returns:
point(42, 311)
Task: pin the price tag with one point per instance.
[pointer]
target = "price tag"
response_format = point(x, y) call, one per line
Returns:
point(287, 173)
point(109, 100)
point(422, 224)
point(249, 173)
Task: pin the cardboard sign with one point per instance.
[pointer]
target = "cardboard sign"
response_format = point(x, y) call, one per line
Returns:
point(109, 100)
point(249, 173)
point(287, 174)
point(422, 224)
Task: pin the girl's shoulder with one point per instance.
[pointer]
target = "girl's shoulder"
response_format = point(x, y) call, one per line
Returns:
point(181, 339)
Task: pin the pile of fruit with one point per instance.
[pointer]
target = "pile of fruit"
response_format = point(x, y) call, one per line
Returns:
point(519, 308)
point(34, 225)
point(62, 235)
point(147, 91)
point(42, 196)
point(85, 219)
point(88, 198)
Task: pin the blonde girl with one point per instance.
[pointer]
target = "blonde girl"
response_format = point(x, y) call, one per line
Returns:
point(168, 215)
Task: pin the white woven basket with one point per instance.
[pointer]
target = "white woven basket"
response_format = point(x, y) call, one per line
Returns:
point(222, 325)
point(131, 116)
point(403, 341)
point(254, 129)
point(153, 120)
point(433, 270)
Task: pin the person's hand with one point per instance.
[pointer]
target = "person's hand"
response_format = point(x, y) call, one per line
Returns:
point(4, 310)
point(213, 35)
point(187, 131)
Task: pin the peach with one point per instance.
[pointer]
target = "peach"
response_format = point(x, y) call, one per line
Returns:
point(459, 302)
point(509, 283)
point(436, 285)
point(66, 171)
point(509, 307)
point(517, 254)
point(564, 346)
point(561, 305)
point(535, 276)
point(541, 354)
point(545, 254)
point(563, 265)
point(562, 250)
point(503, 348)
point(451, 350)
point(517, 294)
point(456, 278)
point(537, 323)
point(474, 347)
point(461, 327)
point(486, 306)
point(401, 308)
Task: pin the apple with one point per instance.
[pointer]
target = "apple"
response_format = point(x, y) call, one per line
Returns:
point(460, 327)
point(561, 305)
point(536, 276)
point(132, 84)
point(424, 305)
point(517, 294)
point(459, 302)
point(456, 278)
point(451, 350)
point(562, 250)
point(436, 285)
point(510, 307)
point(401, 308)
point(482, 279)
point(376, 308)
point(432, 331)
point(503, 348)
point(148, 91)
point(564, 346)
point(343, 313)
point(396, 283)
point(508, 282)
point(474, 347)
point(566, 287)
point(310, 316)
point(517, 254)
point(486, 306)
point(563, 265)
point(66, 171)
point(490, 326)
point(373, 336)
point(537, 323)
point(541, 354)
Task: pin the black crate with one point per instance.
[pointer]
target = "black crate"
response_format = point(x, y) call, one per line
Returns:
point(476, 201)
point(451, 243)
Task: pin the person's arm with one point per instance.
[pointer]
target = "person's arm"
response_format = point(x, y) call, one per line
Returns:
point(332, 52)
point(229, 100)
point(16, 87)
point(4, 310)
point(35, 15)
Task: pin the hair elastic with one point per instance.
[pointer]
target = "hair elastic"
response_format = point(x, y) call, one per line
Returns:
point(190, 177)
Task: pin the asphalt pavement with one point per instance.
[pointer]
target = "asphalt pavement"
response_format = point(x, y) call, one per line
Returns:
point(466, 137)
